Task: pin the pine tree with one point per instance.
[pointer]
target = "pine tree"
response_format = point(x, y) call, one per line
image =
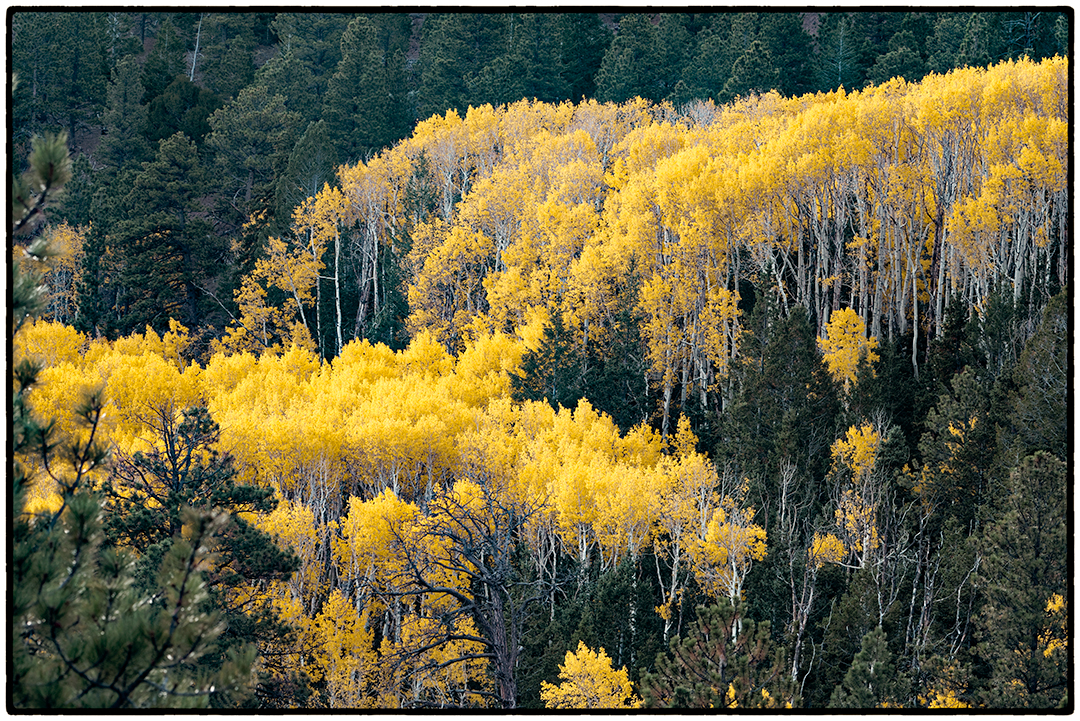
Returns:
point(753, 73)
point(725, 660)
point(146, 501)
point(311, 165)
point(1038, 416)
point(82, 634)
point(168, 251)
point(252, 137)
point(552, 372)
point(454, 49)
point(958, 449)
point(839, 62)
point(708, 69)
point(227, 42)
point(871, 681)
point(791, 49)
point(74, 206)
point(903, 60)
point(673, 39)
point(632, 64)
point(1025, 564)
point(582, 41)
point(943, 44)
point(286, 76)
point(48, 172)
point(786, 404)
point(183, 107)
point(60, 57)
point(123, 144)
point(528, 68)
point(314, 39)
point(165, 61)
point(365, 108)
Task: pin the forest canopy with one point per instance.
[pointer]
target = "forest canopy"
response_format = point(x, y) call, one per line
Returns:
point(465, 371)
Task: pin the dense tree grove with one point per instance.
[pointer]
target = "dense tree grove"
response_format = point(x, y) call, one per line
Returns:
point(527, 360)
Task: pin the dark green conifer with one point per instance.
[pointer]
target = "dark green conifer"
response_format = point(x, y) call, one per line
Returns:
point(871, 681)
point(839, 62)
point(582, 41)
point(147, 497)
point(227, 43)
point(553, 372)
point(365, 109)
point(632, 63)
point(753, 73)
point(314, 39)
point(163, 249)
point(286, 76)
point(724, 660)
point(1038, 409)
point(1025, 563)
point(183, 107)
point(123, 144)
point(165, 62)
point(454, 49)
point(83, 633)
point(251, 137)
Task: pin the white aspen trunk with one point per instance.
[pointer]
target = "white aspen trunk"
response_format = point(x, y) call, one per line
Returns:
point(1018, 261)
point(667, 408)
point(801, 275)
point(939, 310)
point(374, 273)
point(633, 619)
point(337, 289)
point(671, 599)
point(685, 383)
point(879, 298)
point(318, 294)
point(195, 55)
point(914, 325)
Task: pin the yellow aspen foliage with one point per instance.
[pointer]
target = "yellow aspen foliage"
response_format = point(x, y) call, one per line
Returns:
point(858, 450)
point(260, 326)
point(437, 676)
point(172, 346)
point(1054, 638)
point(344, 654)
point(857, 521)
point(49, 343)
point(626, 513)
point(223, 372)
point(686, 485)
point(447, 289)
point(425, 356)
point(845, 345)
point(443, 139)
point(945, 690)
point(292, 525)
point(589, 682)
point(39, 501)
point(370, 534)
point(826, 548)
point(482, 371)
point(61, 270)
point(946, 699)
point(732, 542)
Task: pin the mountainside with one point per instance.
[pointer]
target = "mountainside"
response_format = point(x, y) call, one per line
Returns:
point(728, 396)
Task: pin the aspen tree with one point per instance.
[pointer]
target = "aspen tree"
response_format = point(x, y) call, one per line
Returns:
point(589, 681)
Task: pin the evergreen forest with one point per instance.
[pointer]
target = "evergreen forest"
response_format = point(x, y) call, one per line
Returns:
point(552, 360)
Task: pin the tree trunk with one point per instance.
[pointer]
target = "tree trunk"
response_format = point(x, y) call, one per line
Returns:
point(195, 58)
point(337, 290)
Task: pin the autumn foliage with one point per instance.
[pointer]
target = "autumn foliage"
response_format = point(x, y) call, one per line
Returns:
point(432, 514)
